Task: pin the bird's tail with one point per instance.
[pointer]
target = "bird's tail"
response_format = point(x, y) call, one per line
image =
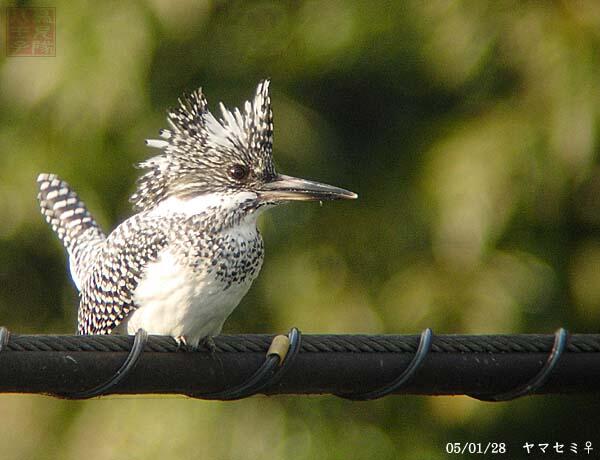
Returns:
point(69, 218)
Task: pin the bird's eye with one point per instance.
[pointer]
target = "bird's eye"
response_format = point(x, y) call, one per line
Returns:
point(238, 172)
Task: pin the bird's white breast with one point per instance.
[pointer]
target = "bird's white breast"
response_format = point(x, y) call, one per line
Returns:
point(175, 298)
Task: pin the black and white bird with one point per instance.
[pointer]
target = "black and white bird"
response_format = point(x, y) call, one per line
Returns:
point(182, 264)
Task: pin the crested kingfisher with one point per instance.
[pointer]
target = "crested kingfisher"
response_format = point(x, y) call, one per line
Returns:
point(181, 264)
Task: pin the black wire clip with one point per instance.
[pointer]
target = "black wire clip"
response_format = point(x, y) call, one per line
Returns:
point(139, 342)
point(537, 381)
point(280, 356)
point(407, 374)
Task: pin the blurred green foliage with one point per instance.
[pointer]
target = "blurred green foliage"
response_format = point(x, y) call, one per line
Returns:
point(469, 130)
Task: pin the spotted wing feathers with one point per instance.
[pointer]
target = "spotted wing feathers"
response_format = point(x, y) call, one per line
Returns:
point(107, 297)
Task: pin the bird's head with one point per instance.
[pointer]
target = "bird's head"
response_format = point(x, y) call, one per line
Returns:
point(231, 156)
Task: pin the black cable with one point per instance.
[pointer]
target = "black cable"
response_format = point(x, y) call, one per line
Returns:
point(314, 343)
point(491, 367)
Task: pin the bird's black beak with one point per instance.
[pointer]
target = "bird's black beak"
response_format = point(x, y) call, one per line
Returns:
point(287, 188)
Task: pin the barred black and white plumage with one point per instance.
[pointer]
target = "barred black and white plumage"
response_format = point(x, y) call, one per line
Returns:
point(182, 263)
point(69, 218)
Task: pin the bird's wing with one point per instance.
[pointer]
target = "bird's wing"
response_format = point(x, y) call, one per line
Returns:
point(69, 218)
point(107, 294)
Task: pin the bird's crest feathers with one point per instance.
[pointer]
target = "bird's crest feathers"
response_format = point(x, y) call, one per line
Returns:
point(198, 144)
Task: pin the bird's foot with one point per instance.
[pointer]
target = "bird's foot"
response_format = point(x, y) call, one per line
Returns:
point(181, 343)
point(210, 344)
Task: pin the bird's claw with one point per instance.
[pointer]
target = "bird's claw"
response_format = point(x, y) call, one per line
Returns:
point(181, 343)
point(210, 344)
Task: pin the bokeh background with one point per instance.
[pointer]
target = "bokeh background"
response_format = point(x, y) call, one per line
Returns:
point(469, 130)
